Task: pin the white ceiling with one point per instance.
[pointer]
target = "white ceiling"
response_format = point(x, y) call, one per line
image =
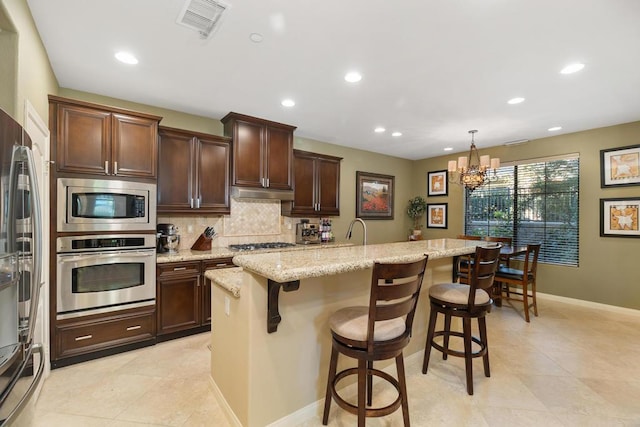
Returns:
point(432, 69)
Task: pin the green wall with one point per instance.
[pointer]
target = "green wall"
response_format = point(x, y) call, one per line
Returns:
point(29, 75)
point(606, 273)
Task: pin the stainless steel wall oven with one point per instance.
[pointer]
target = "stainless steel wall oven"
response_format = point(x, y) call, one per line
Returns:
point(101, 273)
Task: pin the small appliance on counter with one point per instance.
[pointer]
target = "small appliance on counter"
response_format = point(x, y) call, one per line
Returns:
point(168, 238)
point(307, 233)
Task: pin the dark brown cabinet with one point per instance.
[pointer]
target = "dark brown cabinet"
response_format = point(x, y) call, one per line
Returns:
point(262, 152)
point(212, 264)
point(316, 183)
point(178, 296)
point(81, 336)
point(99, 140)
point(183, 296)
point(194, 172)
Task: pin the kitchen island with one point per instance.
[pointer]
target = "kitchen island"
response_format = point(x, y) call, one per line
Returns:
point(263, 376)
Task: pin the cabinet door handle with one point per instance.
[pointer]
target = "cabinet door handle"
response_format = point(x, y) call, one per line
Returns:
point(179, 268)
point(198, 200)
point(267, 182)
point(222, 265)
point(115, 168)
point(191, 203)
point(106, 167)
point(133, 328)
point(84, 337)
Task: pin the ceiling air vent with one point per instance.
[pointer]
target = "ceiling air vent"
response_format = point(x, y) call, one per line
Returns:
point(203, 16)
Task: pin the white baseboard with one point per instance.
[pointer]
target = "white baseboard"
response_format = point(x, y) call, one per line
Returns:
point(589, 304)
point(224, 405)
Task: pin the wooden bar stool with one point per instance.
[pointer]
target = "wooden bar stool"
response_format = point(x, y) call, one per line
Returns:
point(513, 277)
point(471, 301)
point(462, 263)
point(377, 332)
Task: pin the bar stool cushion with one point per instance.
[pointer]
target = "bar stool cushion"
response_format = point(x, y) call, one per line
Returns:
point(511, 273)
point(351, 323)
point(456, 293)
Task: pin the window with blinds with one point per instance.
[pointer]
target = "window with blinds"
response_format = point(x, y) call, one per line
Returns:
point(534, 201)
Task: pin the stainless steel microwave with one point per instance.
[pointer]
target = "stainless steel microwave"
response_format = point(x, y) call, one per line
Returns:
point(96, 205)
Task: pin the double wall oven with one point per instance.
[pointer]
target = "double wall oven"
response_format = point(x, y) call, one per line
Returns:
point(106, 244)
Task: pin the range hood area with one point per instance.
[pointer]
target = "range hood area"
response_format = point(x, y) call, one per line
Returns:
point(261, 193)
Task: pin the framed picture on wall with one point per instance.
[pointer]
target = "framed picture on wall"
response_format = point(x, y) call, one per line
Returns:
point(437, 215)
point(374, 195)
point(620, 166)
point(619, 217)
point(437, 183)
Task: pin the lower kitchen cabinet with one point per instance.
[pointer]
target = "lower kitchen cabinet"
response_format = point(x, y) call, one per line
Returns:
point(183, 297)
point(211, 264)
point(87, 337)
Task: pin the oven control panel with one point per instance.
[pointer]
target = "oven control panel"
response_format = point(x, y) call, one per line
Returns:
point(105, 242)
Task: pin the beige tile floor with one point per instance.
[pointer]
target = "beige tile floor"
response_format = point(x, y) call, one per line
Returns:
point(572, 366)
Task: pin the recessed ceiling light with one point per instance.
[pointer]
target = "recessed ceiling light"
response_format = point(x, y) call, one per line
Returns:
point(256, 37)
point(516, 100)
point(126, 58)
point(555, 128)
point(396, 134)
point(572, 68)
point(448, 149)
point(288, 103)
point(379, 129)
point(353, 77)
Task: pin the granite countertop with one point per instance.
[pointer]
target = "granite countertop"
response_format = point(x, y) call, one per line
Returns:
point(227, 278)
point(224, 252)
point(285, 266)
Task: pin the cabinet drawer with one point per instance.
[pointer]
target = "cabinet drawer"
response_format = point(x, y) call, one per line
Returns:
point(212, 264)
point(173, 269)
point(80, 336)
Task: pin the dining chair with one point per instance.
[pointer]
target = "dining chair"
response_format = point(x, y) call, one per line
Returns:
point(507, 277)
point(463, 262)
point(377, 332)
point(467, 302)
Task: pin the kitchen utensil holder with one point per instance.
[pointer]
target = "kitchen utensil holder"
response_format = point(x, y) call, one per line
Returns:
point(202, 244)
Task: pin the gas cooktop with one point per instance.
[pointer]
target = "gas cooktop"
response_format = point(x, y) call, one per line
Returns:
point(256, 246)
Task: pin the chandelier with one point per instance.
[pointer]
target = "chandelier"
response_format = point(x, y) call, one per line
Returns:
point(472, 171)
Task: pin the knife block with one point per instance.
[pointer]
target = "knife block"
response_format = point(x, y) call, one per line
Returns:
point(202, 244)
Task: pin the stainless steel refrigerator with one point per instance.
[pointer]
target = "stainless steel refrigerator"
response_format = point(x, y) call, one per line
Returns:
point(20, 278)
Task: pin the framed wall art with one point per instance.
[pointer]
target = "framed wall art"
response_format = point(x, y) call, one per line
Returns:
point(437, 183)
point(620, 166)
point(374, 195)
point(437, 215)
point(619, 217)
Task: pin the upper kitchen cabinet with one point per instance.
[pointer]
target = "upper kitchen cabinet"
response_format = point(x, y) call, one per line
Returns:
point(193, 172)
point(99, 140)
point(316, 183)
point(262, 152)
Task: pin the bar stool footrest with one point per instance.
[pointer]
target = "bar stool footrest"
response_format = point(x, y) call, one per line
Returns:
point(369, 412)
point(457, 353)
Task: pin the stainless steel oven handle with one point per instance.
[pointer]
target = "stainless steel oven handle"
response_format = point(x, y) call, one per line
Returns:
point(102, 255)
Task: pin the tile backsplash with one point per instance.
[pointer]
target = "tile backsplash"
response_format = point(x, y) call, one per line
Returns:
point(251, 221)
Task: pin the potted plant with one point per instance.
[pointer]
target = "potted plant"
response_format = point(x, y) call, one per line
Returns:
point(416, 209)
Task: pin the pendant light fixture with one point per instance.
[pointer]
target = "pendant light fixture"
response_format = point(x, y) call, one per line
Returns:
point(472, 171)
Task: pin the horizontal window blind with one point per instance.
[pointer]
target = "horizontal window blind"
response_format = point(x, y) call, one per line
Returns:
point(531, 202)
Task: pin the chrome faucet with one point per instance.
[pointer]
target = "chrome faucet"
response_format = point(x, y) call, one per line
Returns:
point(364, 230)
